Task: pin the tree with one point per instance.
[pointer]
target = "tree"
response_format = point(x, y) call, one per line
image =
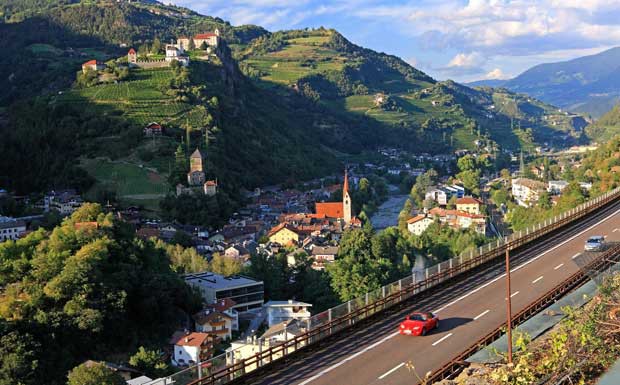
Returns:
point(156, 46)
point(149, 362)
point(357, 271)
point(226, 266)
point(203, 46)
point(452, 203)
point(467, 163)
point(93, 374)
point(18, 359)
point(544, 200)
point(471, 180)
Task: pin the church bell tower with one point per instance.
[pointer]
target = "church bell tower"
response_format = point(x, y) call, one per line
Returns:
point(346, 199)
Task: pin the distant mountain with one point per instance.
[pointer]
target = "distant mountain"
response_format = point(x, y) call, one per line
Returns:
point(589, 84)
point(496, 83)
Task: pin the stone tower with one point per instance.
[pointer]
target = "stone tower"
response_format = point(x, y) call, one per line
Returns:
point(196, 174)
point(346, 200)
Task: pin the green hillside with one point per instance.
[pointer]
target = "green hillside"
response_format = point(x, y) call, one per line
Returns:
point(270, 108)
point(606, 127)
point(329, 70)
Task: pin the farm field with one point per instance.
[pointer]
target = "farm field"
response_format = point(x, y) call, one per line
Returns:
point(139, 99)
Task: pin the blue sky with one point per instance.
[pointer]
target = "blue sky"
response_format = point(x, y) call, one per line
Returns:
point(462, 40)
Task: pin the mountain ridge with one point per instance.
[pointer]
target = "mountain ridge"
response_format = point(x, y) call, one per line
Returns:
point(587, 84)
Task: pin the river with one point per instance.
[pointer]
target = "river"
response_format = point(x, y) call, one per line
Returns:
point(387, 214)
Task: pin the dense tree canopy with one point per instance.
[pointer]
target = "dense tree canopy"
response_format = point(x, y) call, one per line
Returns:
point(84, 291)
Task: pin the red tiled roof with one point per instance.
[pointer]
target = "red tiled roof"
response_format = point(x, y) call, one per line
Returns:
point(202, 36)
point(211, 183)
point(330, 209)
point(417, 218)
point(223, 304)
point(345, 187)
point(154, 126)
point(468, 201)
point(132, 51)
point(192, 339)
point(91, 62)
point(280, 227)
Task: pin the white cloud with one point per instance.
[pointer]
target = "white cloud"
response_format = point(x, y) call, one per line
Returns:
point(467, 60)
point(495, 74)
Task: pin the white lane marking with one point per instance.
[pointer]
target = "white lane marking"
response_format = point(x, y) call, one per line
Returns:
point(558, 266)
point(616, 229)
point(481, 314)
point(329, 369)
point(526, 263)
point(515, 293)
point(537, 279)
point(381, 377)
point(441, 339)
point(334, 366)
point(575, 256)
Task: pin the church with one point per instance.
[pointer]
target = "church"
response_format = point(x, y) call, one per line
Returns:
point(337, 210)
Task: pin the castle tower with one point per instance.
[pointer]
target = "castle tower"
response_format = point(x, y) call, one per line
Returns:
point(346, 199)
point(196, 175)
point(132, 57)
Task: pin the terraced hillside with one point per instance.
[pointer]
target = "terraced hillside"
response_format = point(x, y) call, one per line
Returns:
point(324, 67)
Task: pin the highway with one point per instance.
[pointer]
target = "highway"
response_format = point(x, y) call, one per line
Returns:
point(468, 309)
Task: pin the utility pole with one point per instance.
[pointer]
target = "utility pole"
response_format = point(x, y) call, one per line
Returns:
point(508, 307)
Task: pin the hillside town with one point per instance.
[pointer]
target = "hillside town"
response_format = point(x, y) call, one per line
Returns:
point(202, 193)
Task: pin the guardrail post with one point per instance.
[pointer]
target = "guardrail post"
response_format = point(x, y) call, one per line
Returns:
point(383, 291)
point(329, 319)
point(400, 290)
point(285, 350)
point(461, 259)
point(366, 299)
point(439, 268)
point(199, 369)
point(349, 312)
point(259, 363)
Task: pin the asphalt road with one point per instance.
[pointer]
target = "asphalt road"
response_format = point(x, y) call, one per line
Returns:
point(468, 310)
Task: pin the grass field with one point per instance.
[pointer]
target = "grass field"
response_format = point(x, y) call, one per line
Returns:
point(132, 183)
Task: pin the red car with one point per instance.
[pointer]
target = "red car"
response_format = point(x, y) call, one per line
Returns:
point(418, 324)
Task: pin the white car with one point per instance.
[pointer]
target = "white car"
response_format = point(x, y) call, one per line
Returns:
point(594, 243)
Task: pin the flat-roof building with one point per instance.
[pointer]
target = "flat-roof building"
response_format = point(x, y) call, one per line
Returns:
point(247, 293)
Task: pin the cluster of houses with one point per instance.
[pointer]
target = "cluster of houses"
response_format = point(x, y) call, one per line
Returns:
point(526, 192)
point(227, 300)
point(316, 234)
point(467, 215)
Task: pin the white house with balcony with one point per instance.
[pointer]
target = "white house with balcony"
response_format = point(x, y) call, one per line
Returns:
point(283, 311)
point(527, 191)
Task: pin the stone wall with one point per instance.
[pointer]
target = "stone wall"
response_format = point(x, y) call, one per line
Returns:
point(152, 64)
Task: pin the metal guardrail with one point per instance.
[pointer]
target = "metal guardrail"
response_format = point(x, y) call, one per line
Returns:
point(232, 364)
point(604, 261)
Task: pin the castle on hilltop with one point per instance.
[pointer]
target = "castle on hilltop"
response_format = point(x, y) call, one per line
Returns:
point(196, 178)
point(172, 53)
point(207, 40)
